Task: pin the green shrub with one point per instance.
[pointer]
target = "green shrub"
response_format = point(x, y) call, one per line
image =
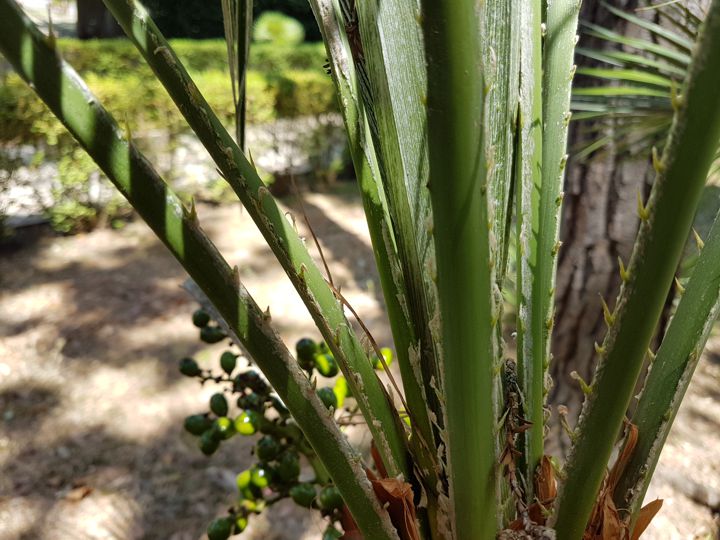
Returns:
point(302, 93)
point(116, 57)
point(284, 82)
point(83, 196)
point(145, 105)
point(23, 117)
point(298, 9)
point(278, 29)
point(272, 58)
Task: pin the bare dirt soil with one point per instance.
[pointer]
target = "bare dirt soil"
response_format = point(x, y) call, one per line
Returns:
point(91, 403)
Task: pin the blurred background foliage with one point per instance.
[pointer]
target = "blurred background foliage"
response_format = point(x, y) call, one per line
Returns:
point(283, 82)
point(286, 86)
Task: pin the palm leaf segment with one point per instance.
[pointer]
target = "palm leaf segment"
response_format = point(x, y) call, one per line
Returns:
point(628, 85)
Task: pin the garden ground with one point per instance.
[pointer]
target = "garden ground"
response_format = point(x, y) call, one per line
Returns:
point(91, 403)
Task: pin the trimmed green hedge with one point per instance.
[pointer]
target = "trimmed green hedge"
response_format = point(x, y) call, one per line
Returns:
point(115, 56)
point(283, 82)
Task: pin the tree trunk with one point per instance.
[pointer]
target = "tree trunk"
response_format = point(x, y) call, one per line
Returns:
point(95, 21)
point(599, 224)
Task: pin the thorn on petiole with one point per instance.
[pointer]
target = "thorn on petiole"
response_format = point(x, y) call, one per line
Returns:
point(698, 240)
point(679, 287)
point(563, 414)
point(657, 161)
point(624, 275)
point(585, 387)
point(642, 209)
point(607, 314)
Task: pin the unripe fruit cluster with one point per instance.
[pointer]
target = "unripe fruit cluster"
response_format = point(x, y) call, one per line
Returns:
point(281, 446)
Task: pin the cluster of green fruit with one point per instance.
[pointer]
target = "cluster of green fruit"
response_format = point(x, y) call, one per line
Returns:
point(313, 356)
point(254, 401)
point(276, 475)
point(209, 332)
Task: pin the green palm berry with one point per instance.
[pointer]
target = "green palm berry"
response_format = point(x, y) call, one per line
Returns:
point(218, 404)
point(292, 430)
point(251, 377)
point(270, 427)
point(323, 348)
point(247, 423)
point(303, 494)
point(209, 442)
point(189, 367)
point(220, 529)
point(327, 396)
point(259, 386)
point(197, 424)
point(200, 318)
point(250, 494)
point(225, 427)
point(288, 467)
point(239, 383)
point(341, 390)
point(246, 488)
point(228, 361)
point(306, 349)
point(212, 334)
point(251, 401)
point(243, 479)
point(267, 448)
point(387, 356)
point(240, 524)
point(259, 477)
point(326, 365)
point(330, 498)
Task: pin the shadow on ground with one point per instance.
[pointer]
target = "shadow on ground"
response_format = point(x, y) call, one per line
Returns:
point(91, 403)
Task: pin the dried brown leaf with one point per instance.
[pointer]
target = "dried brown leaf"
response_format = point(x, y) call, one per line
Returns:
point(645, 516)
point(630, 442)
point(397, 497)
point(611, 526)
point(605, 522)
point(377, 460)
point(352, 532)
point(545, 482)
point(78, 493)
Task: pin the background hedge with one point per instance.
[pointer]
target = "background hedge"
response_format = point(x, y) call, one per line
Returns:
point(283, 82)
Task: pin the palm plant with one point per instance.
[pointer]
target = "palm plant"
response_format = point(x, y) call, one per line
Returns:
point(456, 116)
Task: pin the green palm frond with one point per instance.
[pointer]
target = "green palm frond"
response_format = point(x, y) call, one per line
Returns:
point(626, 93)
